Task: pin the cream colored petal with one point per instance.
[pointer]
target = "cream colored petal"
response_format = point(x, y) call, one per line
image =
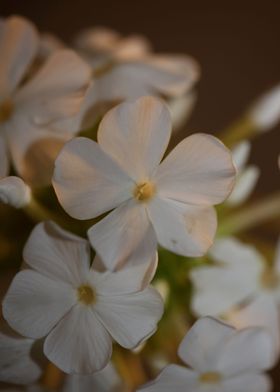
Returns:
point(244, 185)
point(15, 192)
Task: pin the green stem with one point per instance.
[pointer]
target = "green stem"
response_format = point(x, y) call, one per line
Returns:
point(252, 216)
point(240, 130)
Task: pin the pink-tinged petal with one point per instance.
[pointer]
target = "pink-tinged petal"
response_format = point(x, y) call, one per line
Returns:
point(87, 181)
point(201, 347)
point(252, 382)
point(58, 254)
point(14, 191)
point(57, 91)
point(184, 229)
point(18, 365)
point(4, 158)
point(136, 135)
point(34, 303)
point(198, 171)
point(18, 46)
point(246, 351)
point(130, 319)
point(173, 378)
point(124, 229)
point(79, 343)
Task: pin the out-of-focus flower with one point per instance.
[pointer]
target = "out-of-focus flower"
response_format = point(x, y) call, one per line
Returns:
point(48, 44)
point(32, 115)
point(265, 113)
point(221, 359)
point(247, 176)
point(14, 191)
point(78, 309)
point(170, 201)
point(20, 358)
point(125, 68)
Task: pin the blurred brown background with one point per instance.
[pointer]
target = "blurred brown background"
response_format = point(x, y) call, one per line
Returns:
point(237, 46)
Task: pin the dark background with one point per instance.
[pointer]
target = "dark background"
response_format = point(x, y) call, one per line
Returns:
point(236, 44)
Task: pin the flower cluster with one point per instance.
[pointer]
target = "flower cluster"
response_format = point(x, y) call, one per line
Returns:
point(120, 230)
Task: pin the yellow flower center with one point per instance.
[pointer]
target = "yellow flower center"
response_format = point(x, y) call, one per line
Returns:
point(210, 377)
point(144, 191)
point(6, 110)
point(86, 295)
point(270, 279)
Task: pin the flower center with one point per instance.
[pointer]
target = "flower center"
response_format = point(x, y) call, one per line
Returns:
point(6, 110)
point(270, 279)
point(86, 295)
point(144, 191)
point(210, 377)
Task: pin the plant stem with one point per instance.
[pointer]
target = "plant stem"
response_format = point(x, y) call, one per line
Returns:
point(53, 377)
point(240, 130)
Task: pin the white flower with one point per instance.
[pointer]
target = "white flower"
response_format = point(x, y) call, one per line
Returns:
point(78, 309)
point(170, 201)
point(247, 176)
point(220, 359)
point(265, 113)
point(125, 68)
point(20, 359)
point(34, 117)
point(240, 273)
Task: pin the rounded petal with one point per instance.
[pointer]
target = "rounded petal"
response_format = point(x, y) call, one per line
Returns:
point(198, 171)
point(173, 378)
point(17, 362)
point(4, 164)
point(240, 154)
point(136, 135)
point(132, 318)
point(14, 191)
point(248, 382)
point(244, 186)
point(124, 229)
point(58, 254)
point(184, 229)
point(200, 348)
point(18, 46)
point(87, 181)
point(181, 109)
point(57, 91)
point(34, 303)
point(79, 343)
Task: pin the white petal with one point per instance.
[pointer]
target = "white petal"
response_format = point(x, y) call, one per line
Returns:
point(14, 191)
point(199, 170)
point(246, 351)
point(201, 346)
point(4, 158)
point(48, 44)
point(57, 254)
point(87, 181)
point(34, 303)
point(240, 154)
point(17, 362)
point(248, 382)
point(244, 186)
point(58, 89)
point(181, 108)
point(261, 312)
point(173, 378)
point(184, 229)
point(124, 229)
point(18, 46)
point(136, 135)
point(79, 343)
point(219, 287)
point(132, 318)
point(265, 113)
point(277, 256)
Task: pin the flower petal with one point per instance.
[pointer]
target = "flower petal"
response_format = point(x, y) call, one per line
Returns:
point(184, 229)
point(4, 163)
point(201, 346)
point(79, 343)
point(250, 382)
point(57, 254)
point(14, 191)
point(124, 229)
point(18, 46)
point(173, 378)
point(87, 182)
point(199, 171)
point(130, 319)
point(240, 154)
point(57, 90)
point(244, 186)
point(136, 135)
point(35, 303)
